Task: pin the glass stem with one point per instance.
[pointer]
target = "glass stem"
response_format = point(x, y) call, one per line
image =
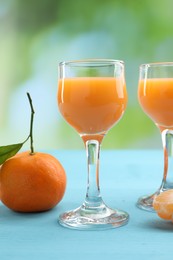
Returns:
point(167, 140)
point(93, 198)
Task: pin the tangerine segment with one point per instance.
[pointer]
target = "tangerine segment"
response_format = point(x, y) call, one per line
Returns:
point(163, 204)
point(31, 183)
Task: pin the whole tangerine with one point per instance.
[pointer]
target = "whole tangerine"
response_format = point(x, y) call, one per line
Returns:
point(32, 182)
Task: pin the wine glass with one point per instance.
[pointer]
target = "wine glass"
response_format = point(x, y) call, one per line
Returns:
point(92, 97)
point(155, 93)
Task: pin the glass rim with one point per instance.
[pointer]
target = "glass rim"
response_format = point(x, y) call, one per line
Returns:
point(155, 64)
point(90, 62)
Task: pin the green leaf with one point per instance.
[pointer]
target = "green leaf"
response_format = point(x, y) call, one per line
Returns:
point(8, 151)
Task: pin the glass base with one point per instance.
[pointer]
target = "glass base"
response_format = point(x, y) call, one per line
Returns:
point(96, 218)
point(146, 202)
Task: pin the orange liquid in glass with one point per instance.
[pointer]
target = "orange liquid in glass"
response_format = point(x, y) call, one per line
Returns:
point(156, 97)
point(92, 105)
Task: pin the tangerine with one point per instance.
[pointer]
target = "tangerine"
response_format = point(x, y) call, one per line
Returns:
point(163, 204)
point(32, 182)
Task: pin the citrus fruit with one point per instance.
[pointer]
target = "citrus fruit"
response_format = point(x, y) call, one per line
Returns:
point(32, 182)
point(163, 204)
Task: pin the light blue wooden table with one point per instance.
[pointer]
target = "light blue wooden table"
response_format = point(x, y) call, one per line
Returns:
point(124, 176)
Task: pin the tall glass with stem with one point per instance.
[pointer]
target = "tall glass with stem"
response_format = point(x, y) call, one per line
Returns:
point(155, 93)
point(92, 97)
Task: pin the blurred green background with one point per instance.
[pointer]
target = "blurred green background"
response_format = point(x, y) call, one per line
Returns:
point(36, 35)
